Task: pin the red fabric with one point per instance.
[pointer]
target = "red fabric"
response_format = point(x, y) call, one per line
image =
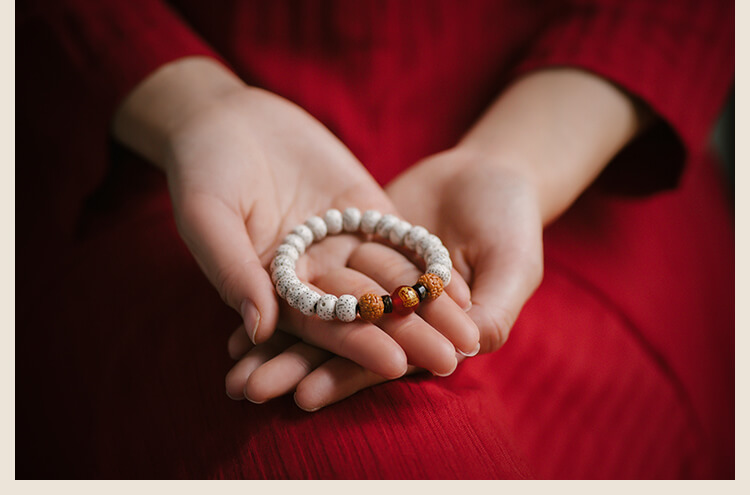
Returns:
point(621, 365)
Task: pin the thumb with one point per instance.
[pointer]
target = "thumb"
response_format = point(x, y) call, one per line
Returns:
point(504, 280)
point(218, 238)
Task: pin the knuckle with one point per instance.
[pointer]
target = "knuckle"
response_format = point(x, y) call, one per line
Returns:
point(225, 282)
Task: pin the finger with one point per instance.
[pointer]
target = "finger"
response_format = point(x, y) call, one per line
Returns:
point(336, 379)
point(281, 374)
point(390, 269)
point(504, 280)
point(217, 237)
point(360, 341)
point(236, 378)
point(238, 343)
point(424, 346)
point(459, 290)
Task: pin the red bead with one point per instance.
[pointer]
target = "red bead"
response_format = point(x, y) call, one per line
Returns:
point(405, 300)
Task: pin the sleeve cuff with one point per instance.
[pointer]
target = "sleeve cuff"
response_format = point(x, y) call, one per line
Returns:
point(678, 61)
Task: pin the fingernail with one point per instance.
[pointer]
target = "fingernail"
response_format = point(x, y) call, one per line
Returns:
point(304, 409)
point(472, 353)
point(467, 308)
point(250, 316)
point(446, 374)
point(251, 400)
point(233, 398)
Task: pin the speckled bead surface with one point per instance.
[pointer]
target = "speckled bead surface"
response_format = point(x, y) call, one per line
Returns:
point(427, 242)
point(318, 227)
point(415, 234)
point(281, 272)
point(285, 283)
point(326, 308)
point(334, 221)
point(346, 308)
point(438, 255)
point(288, 251)
point(282, 261)
point(371, 307)
point(398, 232)
point(370, 219)
point(385, 224)
point(294, 293)
point(305, 233)
point(433, 283)
point(441, 271)
point(296, 242)
point(307, 301)
point(351, 218)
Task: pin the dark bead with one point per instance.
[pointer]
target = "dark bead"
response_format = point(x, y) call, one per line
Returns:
point(356, 310)
point(421, 290)
point(387, 304)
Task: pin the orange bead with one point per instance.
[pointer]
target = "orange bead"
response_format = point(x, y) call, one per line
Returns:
point(433, 283)
point(371, 307)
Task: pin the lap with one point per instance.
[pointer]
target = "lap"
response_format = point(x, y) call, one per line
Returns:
point(130, 348)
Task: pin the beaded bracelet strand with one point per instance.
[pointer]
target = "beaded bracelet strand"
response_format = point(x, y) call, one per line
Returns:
point(370, 307)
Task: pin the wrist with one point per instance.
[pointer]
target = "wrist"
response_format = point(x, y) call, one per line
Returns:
point(159, 106)
point(501, 171)
point(558, 128)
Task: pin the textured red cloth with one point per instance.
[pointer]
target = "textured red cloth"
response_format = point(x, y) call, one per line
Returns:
point(621, 365)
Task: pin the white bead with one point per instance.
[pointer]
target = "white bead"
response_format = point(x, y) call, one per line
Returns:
point(326, 308)
point(296, 242)
point(294, 293)
point(370, 219)
point(436, 250)
point(439, 259)
point(385, 224)
point(427, 242)
point(281, 272)
point(351, 218)
point(307, 301)
point(318, 227)
point(398, 232)
point(346, 308)
point(334, 221)
point(415, 234)
point(439, 255)
point(441, 271)
point(305, 233)
point(288, 251)
point(281, 260)
point(285, 283)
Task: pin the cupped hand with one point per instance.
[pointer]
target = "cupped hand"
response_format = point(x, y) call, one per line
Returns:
point(488, 214)
point(242, 173)
point(488, 217)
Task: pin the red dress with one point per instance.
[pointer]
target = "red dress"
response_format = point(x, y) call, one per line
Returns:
point(620, 366)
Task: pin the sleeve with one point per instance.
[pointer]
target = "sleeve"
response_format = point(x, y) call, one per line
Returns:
point(77, 60)
point(675, 56)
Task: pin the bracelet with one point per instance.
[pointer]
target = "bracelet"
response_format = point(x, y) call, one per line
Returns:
point(370, 307)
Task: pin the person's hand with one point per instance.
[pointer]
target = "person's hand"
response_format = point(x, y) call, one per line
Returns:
point(244, 167)
point(489, 220)
point(533, 152)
